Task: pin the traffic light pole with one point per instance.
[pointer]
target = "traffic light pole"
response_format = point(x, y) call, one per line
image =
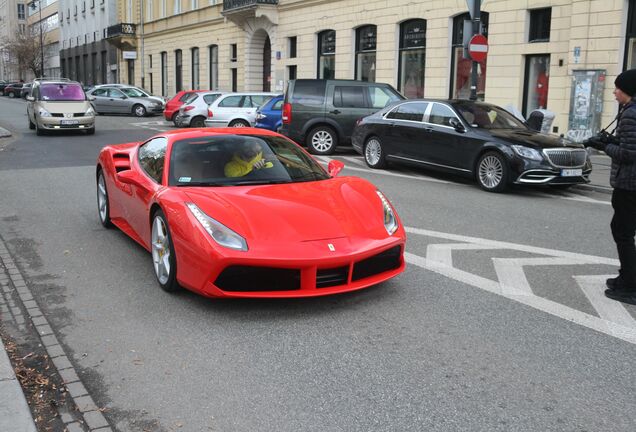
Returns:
point(475, 14)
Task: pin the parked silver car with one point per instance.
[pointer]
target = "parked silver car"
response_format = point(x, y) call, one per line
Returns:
point(194, 110)
point(236, 109)
point(125, 100)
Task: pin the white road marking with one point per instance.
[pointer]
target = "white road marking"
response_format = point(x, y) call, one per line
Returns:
point(512, 278)
point(443, 253)
point(354, 160)
point(607, 309)
point(326, 160)
point(512, 283)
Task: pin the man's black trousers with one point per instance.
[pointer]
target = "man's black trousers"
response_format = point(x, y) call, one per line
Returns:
point(623, 230)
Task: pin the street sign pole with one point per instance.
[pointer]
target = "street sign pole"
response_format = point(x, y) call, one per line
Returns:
point(474, 7)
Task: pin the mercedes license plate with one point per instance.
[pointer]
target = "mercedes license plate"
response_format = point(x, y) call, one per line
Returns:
point(69, 122)
point(571, 172)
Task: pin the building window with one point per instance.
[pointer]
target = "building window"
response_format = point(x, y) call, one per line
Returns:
point(213, 69)
point(326, 54)
point(233, 52)
point(21, 11)
point(177, 7)
point(234, 73)
point(92, 4)
point(291, 44)
point(366, 39)
point(194, 4)
point(535, 94)
point(460, 66)
point(412, 58)
point(178, 70)
point(163, 8)
point(149, 11)
point(540, 25)
point(164, 73)
point(68, 14)
point(630, 38)
point(194, 52)
point(131, 72)
point(291, 72)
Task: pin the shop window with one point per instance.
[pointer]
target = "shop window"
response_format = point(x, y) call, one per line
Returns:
point(292, 46)
point(233, 52)
point(213, 67)
point(164, 73)
point(194, 52)
point(540, 25)
point(412, 58)
point(291, 72)
point(366, 39)
point(326, 54)
point(536, 83)
point(461, 67)
point(178, 70)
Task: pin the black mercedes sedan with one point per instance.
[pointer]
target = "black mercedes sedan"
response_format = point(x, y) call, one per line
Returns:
point(469, 138)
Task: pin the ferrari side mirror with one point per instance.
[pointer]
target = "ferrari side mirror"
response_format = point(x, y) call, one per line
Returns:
point(128, 177)
point(334, 167)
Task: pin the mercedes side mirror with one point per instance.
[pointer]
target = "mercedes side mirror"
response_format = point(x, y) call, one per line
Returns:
point(459, 127)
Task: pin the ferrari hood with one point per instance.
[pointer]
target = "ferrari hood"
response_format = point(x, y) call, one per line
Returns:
point(328, 209)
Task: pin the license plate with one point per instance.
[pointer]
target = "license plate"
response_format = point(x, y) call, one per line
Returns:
point(69, 122)
point(571, 172)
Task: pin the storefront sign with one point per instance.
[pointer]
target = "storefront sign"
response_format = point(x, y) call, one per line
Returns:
point(129, 55)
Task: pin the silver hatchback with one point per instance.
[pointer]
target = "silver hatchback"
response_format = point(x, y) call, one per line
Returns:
point(194, 110)
point(236, 109)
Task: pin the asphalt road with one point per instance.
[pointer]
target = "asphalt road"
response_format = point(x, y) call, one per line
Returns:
point(461, 347)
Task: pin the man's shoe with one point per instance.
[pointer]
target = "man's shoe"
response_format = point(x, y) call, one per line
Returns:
point(622, 295)
point(612, 283)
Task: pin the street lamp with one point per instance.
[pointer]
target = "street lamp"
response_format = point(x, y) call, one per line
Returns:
point(33, 6)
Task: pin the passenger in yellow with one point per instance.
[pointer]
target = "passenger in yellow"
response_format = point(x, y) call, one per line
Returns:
point(247, 159)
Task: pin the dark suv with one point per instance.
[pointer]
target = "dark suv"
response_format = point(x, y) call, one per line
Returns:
point(322, 113)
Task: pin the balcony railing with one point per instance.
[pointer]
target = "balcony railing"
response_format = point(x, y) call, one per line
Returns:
point(121, 29)
point(230, 5)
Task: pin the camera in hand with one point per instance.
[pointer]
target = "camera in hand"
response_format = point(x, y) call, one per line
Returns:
point(600, 140)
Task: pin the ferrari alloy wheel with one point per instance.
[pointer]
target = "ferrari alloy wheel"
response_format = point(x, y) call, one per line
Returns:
point(239, 123)
point(103, 207)
point(374, 153)
point(492, 172)
point(163, 257)
point(322, 140)
point(139, 110)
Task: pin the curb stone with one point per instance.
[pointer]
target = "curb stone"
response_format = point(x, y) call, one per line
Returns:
point(13, 399)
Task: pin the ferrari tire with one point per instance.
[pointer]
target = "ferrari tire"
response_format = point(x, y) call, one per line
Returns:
point(197, 122)
point(239, 123)
point(374, 154)
point(163, 257)
point(139, 110)
point(492, 172)
point(322, 140)
point(103, 204)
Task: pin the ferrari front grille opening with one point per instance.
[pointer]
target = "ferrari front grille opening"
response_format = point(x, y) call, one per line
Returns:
point(384, 261)
point(248, 278)
point(332, 277)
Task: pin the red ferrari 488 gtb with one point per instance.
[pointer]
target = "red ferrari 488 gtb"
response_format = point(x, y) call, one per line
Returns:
point(248, 213)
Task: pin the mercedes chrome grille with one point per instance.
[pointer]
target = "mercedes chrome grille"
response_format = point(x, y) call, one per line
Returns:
point(566, 157)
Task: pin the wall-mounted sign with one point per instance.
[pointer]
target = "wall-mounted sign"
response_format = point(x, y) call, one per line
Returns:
point(129, 55)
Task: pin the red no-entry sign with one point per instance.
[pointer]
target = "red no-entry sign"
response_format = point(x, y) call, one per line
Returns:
point(478, 48)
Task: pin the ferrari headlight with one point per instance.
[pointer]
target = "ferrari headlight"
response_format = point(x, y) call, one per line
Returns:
point(90, 111)
point(44, 113)
point(527, 152)
point(390, 221)
point(219, 232)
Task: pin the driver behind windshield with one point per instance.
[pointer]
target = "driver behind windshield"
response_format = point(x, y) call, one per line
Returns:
point(247, 158)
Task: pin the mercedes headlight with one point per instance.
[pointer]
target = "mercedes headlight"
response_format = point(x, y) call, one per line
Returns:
point(390, 221)
point(219, 232)
point(44, 113)
point(527, 152)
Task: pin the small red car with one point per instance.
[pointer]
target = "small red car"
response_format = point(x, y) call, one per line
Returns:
point(173, 105)
point(246, 212)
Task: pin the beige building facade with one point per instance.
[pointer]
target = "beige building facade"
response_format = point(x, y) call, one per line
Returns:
point(561, 55)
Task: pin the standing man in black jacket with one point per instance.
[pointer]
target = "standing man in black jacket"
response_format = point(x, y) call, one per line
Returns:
point(622, 151)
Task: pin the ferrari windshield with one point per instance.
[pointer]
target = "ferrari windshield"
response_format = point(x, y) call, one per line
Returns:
point(233, 160)
point(62, 92)
point(487, 116)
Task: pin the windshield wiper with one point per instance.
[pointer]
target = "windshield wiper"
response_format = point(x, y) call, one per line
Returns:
point(264, 182)
point(201, 184)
